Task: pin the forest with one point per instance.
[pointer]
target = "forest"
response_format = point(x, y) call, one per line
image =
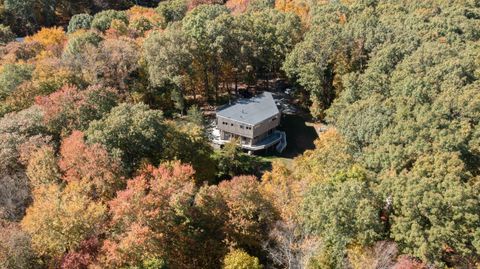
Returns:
point(105, 160)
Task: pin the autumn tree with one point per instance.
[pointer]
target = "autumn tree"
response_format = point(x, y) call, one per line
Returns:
point(249, 213)
point(151, 217)
point(42, 167)
point(16, 129)
point(111, 64)
point(52, 39)
point(239, 259)
point(70, 108)
point(90, 164)
point(15, 247)
point(60, 219)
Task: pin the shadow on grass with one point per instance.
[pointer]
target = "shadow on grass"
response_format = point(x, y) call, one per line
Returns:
point(300, 137)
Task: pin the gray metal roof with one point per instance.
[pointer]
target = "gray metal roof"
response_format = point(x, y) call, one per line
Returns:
point(251, 111)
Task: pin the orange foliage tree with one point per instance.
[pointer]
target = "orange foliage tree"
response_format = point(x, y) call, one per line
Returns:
point(91, 164)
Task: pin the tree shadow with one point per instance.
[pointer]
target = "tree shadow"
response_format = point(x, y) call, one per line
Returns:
point(300, 137)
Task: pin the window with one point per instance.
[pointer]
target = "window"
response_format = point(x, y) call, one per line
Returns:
point(242, 127)
point(231, 124)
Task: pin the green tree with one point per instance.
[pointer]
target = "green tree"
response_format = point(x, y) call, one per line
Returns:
point(130, 132)
point(209, 28)
point(172, 10)
point(6, 35)
point(11, 76)
point(233, 162)
point(80, 21)
point(434, 210)
point(32, 13)
point(267, 37)
point(169, 62)
point(342, 211)
point(103, 20)
point(195, 115)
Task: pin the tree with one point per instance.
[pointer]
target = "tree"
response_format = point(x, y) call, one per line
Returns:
point(169, 60)
point(59, 220)
point(31, 13)
point(142, 19)
point(426, 200)
point(84, 256)
point(131, 133)
point(11, 76)
point(194, 115)
point(111, 64)
point(249, 213)
point(70, 108)
point(16, 129)
point(15, 247)
point(52, 39)
point(151, 218)
point(102, 20)
point(90, 164)
point(342, 211)
point(172, 10)
point(42, 167)
point(188, 143)
point(80, 21)
point(239, 259)
point(80, 44)
point(6, 35)
point(269, 35)
point(331, 154)
point(233, 162)
point(208, 27)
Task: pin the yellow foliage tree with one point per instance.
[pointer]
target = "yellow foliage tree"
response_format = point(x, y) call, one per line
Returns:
point(331, 154)
point(52, 39)
point(239, 259)
point(59, 220)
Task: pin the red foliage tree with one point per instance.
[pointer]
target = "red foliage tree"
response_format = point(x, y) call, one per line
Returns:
point(151, 216)
point(71, 108)
point(83, 257)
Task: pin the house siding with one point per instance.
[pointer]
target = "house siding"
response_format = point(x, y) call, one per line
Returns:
point(234, 127)
point(230, 129)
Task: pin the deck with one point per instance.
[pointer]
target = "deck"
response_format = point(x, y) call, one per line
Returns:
point(265, 143)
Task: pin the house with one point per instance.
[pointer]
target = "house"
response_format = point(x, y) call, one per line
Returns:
point(252, 122)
